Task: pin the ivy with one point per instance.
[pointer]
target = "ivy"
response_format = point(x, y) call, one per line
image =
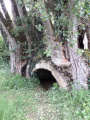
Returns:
point(82, 8)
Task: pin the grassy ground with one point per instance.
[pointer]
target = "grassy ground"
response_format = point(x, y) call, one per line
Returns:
point(22, 99)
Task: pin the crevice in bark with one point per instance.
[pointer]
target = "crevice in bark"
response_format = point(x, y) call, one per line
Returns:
point(83, 41)
point(88, 36)
point(23, 71)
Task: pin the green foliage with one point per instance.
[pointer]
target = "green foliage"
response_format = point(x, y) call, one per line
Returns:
point(85, 53)
point(5, 109)
point(82, 8)
point(74, 104)
point(55, 86)
point(61, 20)
point(18, 82)
point(41, 10)
point(39, 27)
point(38, 13)
point(47, 52)
point(4, 53)
point(27, 101)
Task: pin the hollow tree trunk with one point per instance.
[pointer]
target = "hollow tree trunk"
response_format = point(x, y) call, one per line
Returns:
point(79, 68)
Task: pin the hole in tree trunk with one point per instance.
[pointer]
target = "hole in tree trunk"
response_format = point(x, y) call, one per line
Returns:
point(46, 78)
point(24, 70)
point(80, 41)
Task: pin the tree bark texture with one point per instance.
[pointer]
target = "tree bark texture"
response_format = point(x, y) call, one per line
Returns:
point(79, 67)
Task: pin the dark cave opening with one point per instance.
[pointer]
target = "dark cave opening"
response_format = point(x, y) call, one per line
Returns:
point(46, 78)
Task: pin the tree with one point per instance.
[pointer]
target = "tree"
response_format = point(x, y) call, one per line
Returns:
point(31, 24)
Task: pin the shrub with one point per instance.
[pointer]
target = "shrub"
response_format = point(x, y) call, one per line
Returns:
point(18, 82)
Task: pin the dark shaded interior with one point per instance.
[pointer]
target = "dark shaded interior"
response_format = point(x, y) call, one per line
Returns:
point(46, 78)
point(24, 70)
point(80, 41)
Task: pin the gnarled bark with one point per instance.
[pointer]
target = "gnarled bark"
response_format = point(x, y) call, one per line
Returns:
point(79, 67)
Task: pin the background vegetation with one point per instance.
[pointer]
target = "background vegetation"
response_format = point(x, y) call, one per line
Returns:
point(4, 52)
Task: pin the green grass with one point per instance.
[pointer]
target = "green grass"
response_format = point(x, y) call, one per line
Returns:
point(22, 99)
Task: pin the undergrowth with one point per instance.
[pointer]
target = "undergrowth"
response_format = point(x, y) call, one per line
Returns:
point(22, 99)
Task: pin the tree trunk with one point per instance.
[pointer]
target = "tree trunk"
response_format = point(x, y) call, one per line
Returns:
point(12, 56)
point(79, 67)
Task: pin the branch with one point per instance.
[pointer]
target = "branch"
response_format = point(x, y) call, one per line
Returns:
point(14, 11)
point(5, 10)
point(3, 19)
point(4, 27)
point(24, 9)
point(7, 26)
point(21, 9)
point(47, 23)
point(22, 12)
